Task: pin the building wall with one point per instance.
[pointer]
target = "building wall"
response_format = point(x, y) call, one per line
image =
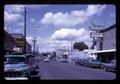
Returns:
point(61, 52)
point(109, 42)
point(109, 39)
point(9, 42)
point(20, 42)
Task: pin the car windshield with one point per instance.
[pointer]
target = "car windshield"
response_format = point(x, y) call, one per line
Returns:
point(14, 60)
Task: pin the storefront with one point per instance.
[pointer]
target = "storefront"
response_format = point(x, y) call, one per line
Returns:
point(107, 51)
point(105, 55)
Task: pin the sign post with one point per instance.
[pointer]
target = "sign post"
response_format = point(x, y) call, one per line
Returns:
point(96, 33)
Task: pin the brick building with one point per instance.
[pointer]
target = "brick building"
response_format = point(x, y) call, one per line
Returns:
point(19, 43)
point(9, 42)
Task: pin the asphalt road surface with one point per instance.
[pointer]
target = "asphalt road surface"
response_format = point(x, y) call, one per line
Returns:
point(54, 70)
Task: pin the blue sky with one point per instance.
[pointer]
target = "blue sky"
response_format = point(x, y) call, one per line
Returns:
point(58, 24)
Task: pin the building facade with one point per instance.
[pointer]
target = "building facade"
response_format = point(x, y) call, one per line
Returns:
point(107, 43)
point(109, 38)
point(19, 43)
point(9, 42)
point(62, 54)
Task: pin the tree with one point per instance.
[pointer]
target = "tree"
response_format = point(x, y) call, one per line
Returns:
point(80, 46)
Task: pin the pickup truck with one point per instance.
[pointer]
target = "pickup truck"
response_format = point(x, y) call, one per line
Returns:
point(17, 67)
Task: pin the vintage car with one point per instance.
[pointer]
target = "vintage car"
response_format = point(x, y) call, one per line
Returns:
point(46, 60)
point(16, 67)
point(95, 64)
point(80, 62)
point(110, 66)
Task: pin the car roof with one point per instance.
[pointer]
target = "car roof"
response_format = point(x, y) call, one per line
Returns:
point(15, 56)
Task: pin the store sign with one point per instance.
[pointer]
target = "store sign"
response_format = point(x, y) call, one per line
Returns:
point(96, 28)
point(19, 42)
point(95, 35)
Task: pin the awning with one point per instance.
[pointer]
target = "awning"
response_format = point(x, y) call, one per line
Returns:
point(104, 51)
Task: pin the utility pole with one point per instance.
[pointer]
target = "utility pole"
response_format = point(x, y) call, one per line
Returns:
point(71, 48)
point(25, 30)
point(25, 11)
point(34, 45)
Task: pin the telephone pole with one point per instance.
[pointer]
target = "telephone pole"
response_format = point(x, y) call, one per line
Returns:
point(25, 30)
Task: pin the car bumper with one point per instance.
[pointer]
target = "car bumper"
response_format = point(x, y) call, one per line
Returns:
point(16, 78)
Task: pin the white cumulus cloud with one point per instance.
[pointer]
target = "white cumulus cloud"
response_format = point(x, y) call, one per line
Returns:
point(20, 24)
point(18, 30)
point(71, 18)
point(72, 35)
point(14, 8)
point(8, 29)
point(29, 39)
point(10, 17)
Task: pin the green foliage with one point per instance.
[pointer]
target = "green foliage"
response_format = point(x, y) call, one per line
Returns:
point(80, 46)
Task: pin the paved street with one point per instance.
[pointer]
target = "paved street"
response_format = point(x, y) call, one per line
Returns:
point(65, 71)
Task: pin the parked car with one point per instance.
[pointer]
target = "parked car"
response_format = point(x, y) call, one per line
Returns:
point(77, 62)
point(110, 66)
point(95, 64)
point(64, 60)
point(80, 62)
point(46, 60)
point(86, 62)
point(32, 62)
point(16, 67)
